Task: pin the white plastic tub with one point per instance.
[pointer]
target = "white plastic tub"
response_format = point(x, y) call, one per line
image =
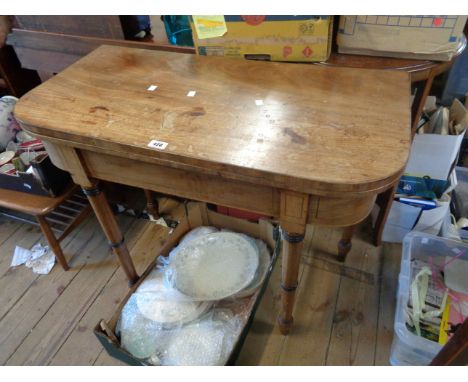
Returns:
point(408, 348)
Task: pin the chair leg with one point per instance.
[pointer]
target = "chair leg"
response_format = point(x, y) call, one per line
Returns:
point(152, 204)
point(455, 351)
point(53, 242)
point(384, 201)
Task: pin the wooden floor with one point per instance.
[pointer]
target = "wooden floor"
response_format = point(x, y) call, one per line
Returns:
point(344, 315)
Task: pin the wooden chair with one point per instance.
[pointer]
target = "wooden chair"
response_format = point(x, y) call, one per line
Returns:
point(55, 215)
point(455, 352)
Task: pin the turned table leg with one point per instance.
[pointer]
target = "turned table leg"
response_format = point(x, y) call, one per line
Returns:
point(111, 229)
point(53, 242)
point(151, 204)
point(292, 250)
point(294, 208)
point(345, 244)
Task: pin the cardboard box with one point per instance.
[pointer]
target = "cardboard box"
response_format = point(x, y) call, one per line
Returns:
point(272, 38)
point(418, 37)
point(197, 214)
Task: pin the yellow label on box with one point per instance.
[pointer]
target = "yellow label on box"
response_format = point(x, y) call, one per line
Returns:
point(209, 26)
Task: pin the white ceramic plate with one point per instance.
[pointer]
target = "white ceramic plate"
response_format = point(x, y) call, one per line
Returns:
point(158, 304)
point(262, 270)
point(6, 156)
point(214, 266)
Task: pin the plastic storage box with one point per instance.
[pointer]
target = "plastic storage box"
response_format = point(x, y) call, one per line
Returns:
point(407, 348)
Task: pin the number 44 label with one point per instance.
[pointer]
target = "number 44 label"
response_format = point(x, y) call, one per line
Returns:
point(158, 145)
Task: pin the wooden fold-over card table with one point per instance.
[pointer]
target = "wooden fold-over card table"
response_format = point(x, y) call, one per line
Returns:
point(301, 143)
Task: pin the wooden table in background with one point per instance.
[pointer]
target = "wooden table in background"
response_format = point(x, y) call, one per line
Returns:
point(302, 143)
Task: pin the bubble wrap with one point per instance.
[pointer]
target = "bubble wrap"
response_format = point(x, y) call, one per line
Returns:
point(138, 335)
point(205, 338)
point(207, 342)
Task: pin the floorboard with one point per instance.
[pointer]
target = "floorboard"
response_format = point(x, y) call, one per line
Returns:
point(56, 324)
point(81, 347)
point(387, 304)
point(353, 335)
point(344, 315)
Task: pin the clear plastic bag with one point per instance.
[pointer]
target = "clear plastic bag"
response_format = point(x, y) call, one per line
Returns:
point(207, 340)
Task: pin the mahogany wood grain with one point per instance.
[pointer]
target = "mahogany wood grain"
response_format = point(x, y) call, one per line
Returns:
point(318, 148)
point(340, 211)
point(183, 183)
point(329, 211)
point(318, 127)
point(111, 229)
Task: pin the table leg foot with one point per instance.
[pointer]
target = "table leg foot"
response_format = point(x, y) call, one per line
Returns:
point(284, 325)
point(345, 244)
point(106, 218)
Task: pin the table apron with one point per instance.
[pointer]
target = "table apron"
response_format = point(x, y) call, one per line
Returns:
point(215, 189)
point(86, 165)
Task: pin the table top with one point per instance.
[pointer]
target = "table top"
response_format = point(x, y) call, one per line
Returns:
point(343, 128)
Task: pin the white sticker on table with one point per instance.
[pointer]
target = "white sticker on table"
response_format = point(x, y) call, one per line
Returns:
point(152, 88)
point(158, 145)
point(191, 93)
point(259, 102)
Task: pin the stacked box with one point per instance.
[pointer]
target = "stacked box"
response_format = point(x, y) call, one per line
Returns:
point(417, 37)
